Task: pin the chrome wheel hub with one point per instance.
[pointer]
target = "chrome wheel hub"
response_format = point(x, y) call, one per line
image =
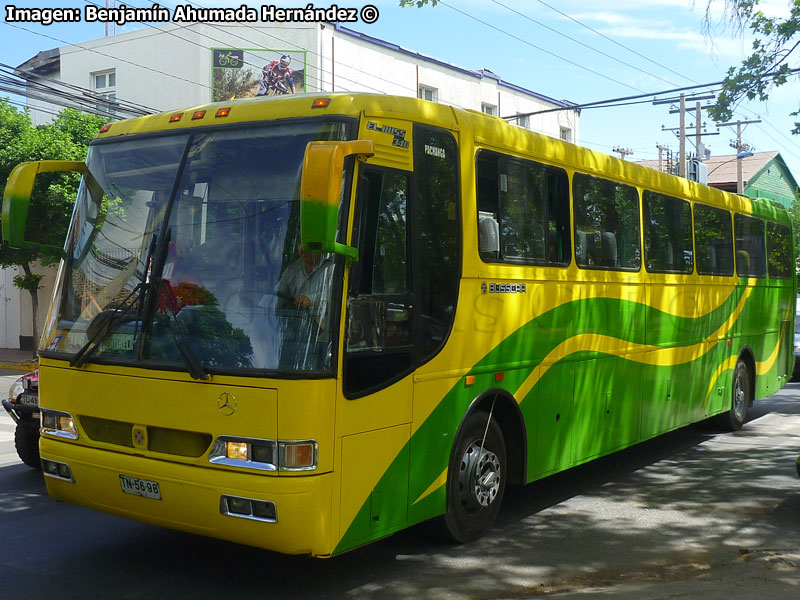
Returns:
point(479, 477)
point(739, 395)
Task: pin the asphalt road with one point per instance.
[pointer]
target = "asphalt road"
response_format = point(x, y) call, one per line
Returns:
point(693, 514)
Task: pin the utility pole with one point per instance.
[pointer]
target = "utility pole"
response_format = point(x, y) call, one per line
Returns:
point(697, 134)
point(682, 157)
point(740, 148)
point(661, 148)
point(623, 152)
point(681, 130)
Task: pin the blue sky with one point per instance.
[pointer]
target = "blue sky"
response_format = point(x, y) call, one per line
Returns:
point(644, 46)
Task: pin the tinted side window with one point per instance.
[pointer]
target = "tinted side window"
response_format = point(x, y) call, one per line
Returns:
point(713, 240)
point(606, 224)
point(436, 239)
point(523, 212)
point(380, 317)
point(667, 234)
point(750, 253)
point(780, 255)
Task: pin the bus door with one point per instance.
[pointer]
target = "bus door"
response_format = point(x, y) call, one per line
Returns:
point(374, 410)
point(401, 305)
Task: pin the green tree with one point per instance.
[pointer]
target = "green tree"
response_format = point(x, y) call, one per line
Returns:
point(767, 67)
point(66, 138)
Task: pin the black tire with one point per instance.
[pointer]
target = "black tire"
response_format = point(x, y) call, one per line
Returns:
point(26, 440)
point(741, 396)
point(472, 501)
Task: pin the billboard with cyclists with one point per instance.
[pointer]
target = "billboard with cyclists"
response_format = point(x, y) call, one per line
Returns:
point(246, 73)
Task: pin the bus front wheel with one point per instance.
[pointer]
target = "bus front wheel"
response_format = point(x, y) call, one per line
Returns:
point(476, 479)
point(734, 418)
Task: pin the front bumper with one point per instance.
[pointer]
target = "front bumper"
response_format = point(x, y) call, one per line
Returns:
point(191, 497)
point(21, 411)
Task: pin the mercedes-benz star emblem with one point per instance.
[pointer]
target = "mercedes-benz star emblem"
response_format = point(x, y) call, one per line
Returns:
point(226, 403)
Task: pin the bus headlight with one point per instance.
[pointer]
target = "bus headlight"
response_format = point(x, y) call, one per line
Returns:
point(59, 424)
point(264, 455)
point(251, 453)
point(237, 450)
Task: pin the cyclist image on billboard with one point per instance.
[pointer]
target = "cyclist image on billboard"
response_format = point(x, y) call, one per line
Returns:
point(276, 77)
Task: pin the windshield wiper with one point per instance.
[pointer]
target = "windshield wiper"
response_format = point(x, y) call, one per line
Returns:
point(106, 321)
point(195, 367)
point(103, 325)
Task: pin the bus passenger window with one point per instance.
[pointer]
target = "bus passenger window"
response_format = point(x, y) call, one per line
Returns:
point(751, 260)
point(606, 224)
point(523, 213)
point(713, 240)
point(780, 255)
point(667, 234)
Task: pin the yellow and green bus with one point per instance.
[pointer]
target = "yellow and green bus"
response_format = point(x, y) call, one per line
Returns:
point(306, 323)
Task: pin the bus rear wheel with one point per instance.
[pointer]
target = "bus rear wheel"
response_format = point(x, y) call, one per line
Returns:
point(741, 393)
point(476, 479)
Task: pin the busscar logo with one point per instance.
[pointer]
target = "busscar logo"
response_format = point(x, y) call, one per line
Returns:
point(504, 288)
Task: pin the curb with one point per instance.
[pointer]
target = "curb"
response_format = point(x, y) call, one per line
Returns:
point(20, 366)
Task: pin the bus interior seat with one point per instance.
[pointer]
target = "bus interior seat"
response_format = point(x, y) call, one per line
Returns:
point(488, 238)
point(669, 257)
point(608, 249)
point(743, 261)
point(710, 262)
point(580, 248)
point(552, 247)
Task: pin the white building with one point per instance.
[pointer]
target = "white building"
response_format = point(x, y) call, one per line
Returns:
point(175, 66)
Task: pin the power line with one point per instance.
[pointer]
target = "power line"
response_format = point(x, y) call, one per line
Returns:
point(106, 55)
point(37, 83)
point(613, 41)
point(564, 35)
point(511, 35)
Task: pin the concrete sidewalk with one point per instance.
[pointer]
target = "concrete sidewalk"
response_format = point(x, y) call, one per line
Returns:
point(20, 360)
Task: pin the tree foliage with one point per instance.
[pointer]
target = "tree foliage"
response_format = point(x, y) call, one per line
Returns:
point(66, 138)
point(775, 40)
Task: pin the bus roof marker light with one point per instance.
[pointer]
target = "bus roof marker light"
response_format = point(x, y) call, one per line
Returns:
point(223, 112)
point(176, 117)
point(198, 114)
point(105, 128)
point(321, 103)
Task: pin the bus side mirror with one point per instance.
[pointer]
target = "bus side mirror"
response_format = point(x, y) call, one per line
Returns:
point(17, 197)
point(321, 193)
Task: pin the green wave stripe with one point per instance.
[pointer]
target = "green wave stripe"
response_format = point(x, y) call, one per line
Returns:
point(428, 450)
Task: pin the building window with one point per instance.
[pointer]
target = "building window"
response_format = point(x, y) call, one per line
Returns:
point(428, 93)
point(565, 133)
point(104, 84)
point(523, 121)
point(489, 109)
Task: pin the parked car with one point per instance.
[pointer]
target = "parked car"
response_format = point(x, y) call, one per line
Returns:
point(23, 406)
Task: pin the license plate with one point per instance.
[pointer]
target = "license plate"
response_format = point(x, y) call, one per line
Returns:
point(140, 487)
point(30, 399)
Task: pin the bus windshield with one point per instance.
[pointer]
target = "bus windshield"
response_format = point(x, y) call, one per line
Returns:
point(223, 281)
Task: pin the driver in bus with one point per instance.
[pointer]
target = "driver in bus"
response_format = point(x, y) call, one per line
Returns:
point(303, 284)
